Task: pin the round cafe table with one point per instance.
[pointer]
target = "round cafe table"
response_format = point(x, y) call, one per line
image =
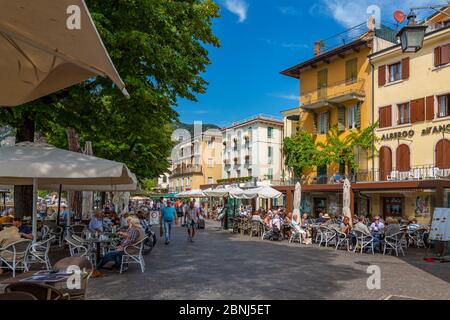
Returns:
point(97, 243)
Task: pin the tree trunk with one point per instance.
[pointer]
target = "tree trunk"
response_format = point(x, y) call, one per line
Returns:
point(23, 195)
point(76, 198)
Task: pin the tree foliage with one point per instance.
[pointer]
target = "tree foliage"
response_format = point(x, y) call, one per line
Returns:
point(159, 49)
point(300, 152)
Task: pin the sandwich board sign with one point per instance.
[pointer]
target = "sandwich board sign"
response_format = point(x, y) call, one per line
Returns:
point(440, 226)
point(154, 218)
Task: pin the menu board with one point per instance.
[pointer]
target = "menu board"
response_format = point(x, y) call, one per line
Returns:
point(154, 218)
point(440, 226)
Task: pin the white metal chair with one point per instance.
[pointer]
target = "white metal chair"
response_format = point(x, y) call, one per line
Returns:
point(342, 239)
point(394, 243)
point(14, 255)
point(432, 173)
point(133, 254)
point(77, 249)
point(38, 252)
point(363, 241)
point(416, 237)
point(327, 236)
point(393, 176)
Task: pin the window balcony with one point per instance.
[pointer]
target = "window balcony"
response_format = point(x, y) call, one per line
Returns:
point(187, 170)
point(333, 94)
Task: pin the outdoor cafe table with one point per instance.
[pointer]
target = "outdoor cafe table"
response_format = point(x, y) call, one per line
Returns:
point(32, 277)
point(98, 242)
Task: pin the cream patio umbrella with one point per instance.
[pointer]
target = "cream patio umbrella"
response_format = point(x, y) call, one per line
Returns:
point(41, 51)
point(37, 164)
point(346, 201)
point(297, 200)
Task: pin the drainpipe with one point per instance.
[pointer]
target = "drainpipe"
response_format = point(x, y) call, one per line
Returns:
point(373, 118)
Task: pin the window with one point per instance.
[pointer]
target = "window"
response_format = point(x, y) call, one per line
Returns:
point(322, 83)
point(351, 71)
point(270, 153)
point(181, 152)
point(250, 173)
point(211, 144)
point(352, 117)
point(395, 72)
point(164, 179)
point(443, 106)
point(270, 132)
point(228, 174)
point(210, 180)
point(323, 123)
point(238, 173)
point(270, 174)
point(403, 113)
point(210, 162)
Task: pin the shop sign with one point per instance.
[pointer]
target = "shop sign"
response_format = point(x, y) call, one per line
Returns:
point(397, 135)
point(436, 129)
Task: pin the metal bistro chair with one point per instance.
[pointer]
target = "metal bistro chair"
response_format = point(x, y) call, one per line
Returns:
point(40, 291)
point(416, 238)
point(327, 236)
point(363, 241)
point(38, 252)
point(256, 229)
point(77, 249)
point(133, 254)
point(394, 243)
point(342, 239)
point(14, 255)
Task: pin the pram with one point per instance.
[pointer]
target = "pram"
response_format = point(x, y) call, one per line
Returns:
point(273, 234)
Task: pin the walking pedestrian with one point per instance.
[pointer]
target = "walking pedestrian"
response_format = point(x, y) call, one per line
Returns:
point(168, 216)
point(191, 219)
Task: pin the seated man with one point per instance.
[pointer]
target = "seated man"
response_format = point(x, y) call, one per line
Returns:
point(24, 230)
point(133, 235)
point(8, 236)
point(361, 227)
point(412, 225)
point(96, 223)
point(377, 225)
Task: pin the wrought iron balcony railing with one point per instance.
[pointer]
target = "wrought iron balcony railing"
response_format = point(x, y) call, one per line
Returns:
point(195, 169)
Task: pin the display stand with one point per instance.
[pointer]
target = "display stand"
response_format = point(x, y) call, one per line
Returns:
point(440, 235)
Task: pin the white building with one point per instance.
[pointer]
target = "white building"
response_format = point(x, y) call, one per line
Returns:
point(253, 148)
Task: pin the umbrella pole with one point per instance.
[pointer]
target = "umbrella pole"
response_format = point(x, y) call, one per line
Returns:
point(59, 205)
point(34, 218)
point(4, 201)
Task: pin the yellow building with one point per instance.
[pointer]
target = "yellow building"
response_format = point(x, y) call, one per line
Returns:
point(335, 91)
point(412, 105)
point(196, 161)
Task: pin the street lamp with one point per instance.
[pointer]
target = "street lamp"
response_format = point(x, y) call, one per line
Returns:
point(412, 35)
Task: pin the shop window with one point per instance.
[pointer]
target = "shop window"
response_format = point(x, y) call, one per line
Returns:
point(393, 207)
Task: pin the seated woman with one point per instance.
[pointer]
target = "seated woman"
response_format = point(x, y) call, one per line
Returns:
point(305, 220)
point(392, 227)
point(296, 224)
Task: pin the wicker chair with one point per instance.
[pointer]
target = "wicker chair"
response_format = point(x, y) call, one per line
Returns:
point(85, 267)
point(38, 252)
point(40, 291)
point(394, 243)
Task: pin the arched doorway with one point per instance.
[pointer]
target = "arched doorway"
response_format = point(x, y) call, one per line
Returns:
point(403, 156)
point(442, 154)
point(385, 164)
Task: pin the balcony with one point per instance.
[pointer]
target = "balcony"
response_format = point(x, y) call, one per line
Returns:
point(188, 170)
point(333, 94)
point(226, 162)
point(248, 159)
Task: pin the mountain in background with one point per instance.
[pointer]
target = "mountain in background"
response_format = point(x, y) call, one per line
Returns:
point(190, 127)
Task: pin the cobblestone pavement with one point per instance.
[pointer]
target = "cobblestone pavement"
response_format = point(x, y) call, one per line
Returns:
point(220, 265)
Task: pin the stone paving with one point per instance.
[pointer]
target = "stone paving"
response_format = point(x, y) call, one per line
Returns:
point(220, 265)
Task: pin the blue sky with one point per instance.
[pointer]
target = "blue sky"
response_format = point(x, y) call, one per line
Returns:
point(259, 39)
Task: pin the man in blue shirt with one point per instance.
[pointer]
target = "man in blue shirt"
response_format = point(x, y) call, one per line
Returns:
point(168, 216)
point(96, 223)
point(25, 231)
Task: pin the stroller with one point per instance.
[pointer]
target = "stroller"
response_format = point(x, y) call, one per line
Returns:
point(273, 234)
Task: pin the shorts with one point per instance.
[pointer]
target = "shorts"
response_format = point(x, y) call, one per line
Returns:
point(191, 225)
point(179, 214)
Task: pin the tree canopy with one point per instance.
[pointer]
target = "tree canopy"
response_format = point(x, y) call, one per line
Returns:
point(159, 49)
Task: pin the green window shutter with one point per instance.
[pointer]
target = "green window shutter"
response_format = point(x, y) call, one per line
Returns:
point(328, 121)
point(341, 118)
point(358, 116)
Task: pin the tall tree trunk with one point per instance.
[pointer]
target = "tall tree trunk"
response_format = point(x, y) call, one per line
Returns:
point(76, 198)
point(23, 195)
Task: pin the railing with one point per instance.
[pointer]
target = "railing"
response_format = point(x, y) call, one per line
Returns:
point(255, 117)
point(195, 169)
point(416, 173)
point(333, 90)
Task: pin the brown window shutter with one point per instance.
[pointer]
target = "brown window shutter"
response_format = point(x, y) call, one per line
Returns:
point(445, 54)
point(381, 118)
point(437, 56)
point(405, 68)
point(430, 108)
point(420, 113)
point(382, 75)
point(413, 110)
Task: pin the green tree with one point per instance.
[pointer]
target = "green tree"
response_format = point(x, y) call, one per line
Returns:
point(159, 49)
point(300, 152)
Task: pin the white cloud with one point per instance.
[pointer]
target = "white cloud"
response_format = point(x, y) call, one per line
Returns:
point(289, 11)
point(238, 7)
point(352, 13)
point(292, 97)
point(288, 45)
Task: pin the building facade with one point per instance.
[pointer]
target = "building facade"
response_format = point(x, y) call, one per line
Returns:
point(252, 149)
point(412, 106)
point(196, 161)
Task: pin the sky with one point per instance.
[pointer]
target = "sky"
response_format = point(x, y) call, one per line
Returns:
point(259, 39)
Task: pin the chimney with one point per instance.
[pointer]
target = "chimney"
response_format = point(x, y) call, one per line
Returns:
point(317, 47)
